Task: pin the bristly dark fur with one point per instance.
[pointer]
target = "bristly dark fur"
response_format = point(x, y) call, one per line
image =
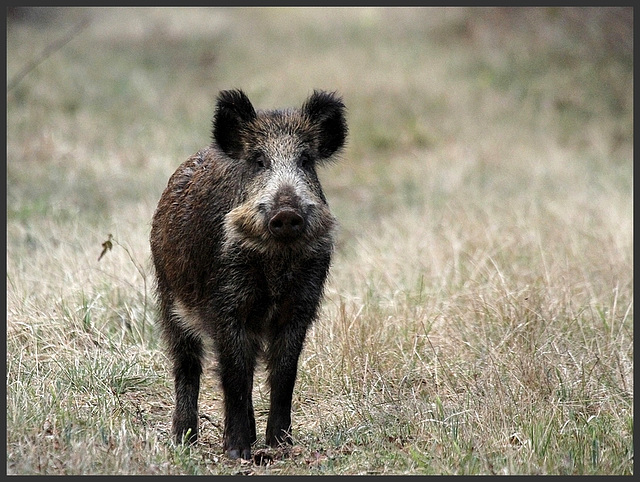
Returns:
point(233, 113)
point(327, 110)
point(241, 242)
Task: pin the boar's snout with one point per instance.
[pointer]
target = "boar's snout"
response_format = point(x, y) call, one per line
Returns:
point(286, 224)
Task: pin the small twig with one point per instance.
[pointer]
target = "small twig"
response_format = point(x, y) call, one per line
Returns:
point(48, 51)
point(143, 273)
point(106, 246)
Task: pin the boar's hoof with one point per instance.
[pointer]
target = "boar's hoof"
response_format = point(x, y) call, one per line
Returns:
point(286, 225)
point(239, 453)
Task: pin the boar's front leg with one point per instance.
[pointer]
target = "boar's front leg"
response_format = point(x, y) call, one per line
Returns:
point(236, 364)
point(296, 312)
point(282, 378)
point(282, 363)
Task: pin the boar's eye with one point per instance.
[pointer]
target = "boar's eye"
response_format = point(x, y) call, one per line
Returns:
point(260, 160)
point(305, 159)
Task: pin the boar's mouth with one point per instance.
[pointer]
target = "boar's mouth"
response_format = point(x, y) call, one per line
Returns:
point(284, 228)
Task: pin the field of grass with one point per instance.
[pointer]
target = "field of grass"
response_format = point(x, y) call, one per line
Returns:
point(479, 314)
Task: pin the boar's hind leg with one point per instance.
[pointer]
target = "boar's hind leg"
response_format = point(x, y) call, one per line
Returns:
point(186, 351)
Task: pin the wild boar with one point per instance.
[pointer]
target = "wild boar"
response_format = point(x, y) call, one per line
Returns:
point(241, 242)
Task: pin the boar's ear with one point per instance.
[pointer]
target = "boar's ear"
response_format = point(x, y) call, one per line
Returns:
point(326, 110)
point(233, 112)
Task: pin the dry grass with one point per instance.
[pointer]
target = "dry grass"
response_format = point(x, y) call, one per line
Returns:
point(479, 315)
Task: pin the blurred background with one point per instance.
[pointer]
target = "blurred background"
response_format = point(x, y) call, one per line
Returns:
point(126, 94)
point(479, 118)
point(478, 316)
